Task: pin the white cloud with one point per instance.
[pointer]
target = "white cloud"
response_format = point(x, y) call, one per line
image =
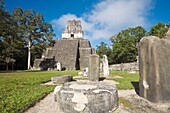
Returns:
point(61, 22)
point(109, 17)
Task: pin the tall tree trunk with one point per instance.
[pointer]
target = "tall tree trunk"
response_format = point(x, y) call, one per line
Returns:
point(29, 54)
point(12, 66)
point(7, 67)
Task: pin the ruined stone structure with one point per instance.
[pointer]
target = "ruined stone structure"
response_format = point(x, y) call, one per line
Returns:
point(72, 50)
point(134, 66)
point(73, 30)
point(87, 97)
point(154, 68)
point(105, 66)
point(94, 68)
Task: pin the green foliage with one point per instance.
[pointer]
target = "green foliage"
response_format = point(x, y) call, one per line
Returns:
point(127, 81)
point(37, 50)
point(10, 43)
point(33, 28)
point(103, 49)
point(23, 29)
point(21, 59)
point(158, 30)
point(19, 90)
point(125, 44)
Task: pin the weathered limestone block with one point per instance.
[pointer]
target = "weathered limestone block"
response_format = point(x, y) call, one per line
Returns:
point(105, 66)
point(134, 66)
point(37, 64)
point(59, 68)
point(61, 79)
point(84, 57)
point(154, 69)
point(94, 67)
point(86, 97)
point(86, 71)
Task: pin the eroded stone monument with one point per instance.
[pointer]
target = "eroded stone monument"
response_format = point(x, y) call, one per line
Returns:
point(85, 72)
point(105, 66)
point(154, 68)
point(72, 50)
point(59, 68)
point(94, 67)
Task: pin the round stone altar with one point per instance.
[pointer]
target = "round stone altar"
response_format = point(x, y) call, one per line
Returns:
point(86, 97)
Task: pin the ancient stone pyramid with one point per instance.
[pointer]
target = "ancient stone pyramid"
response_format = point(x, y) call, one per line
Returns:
point(72, 50)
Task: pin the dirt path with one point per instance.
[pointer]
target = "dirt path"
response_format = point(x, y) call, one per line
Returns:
point(46, 105)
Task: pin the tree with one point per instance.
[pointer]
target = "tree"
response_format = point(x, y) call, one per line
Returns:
point(158, 30)
point(125, 44)
point(103, 49)
point(9, 41)
point(32, 28)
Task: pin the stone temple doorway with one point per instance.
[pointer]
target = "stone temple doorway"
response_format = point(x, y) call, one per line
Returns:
point(72, 35)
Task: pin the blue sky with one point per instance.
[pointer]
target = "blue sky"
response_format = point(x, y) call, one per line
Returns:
point(100, 18)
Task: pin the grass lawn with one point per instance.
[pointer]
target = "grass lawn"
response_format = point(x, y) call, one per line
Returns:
point(129, 80)
point(18, 90)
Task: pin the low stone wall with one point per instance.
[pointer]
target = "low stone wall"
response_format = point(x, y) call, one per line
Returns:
point(134, 66)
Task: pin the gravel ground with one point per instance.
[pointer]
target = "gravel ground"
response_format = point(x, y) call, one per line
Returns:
point(46, 105)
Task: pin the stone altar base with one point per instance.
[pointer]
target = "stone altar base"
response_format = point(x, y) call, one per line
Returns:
point(86, 97)
point(61, 79)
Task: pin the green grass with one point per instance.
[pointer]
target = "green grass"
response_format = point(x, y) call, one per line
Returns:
point(129, 80)
point(125, 103)
point(19, 90)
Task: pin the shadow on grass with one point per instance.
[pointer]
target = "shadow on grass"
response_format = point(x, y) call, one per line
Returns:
point(11, 71)
point(102, 78)
point(73, 80)
point(18, 71)
point(136, 86)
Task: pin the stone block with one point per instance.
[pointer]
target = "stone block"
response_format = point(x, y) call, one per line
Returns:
point(61, 79)
point(133, 66)
point(154, 69)
point(94, 67)
point(86, 97)
point(59, 67)
point(84, 43)
point(105, 66)
point(37, 64)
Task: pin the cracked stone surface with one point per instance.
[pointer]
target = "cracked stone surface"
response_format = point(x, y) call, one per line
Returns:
point(140, 105)
point(86, 97)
